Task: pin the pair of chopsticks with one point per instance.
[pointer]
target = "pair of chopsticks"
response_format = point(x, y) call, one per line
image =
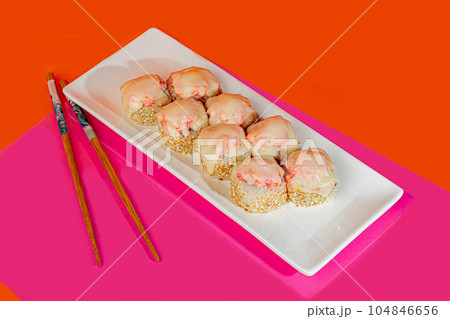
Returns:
point(90, 133)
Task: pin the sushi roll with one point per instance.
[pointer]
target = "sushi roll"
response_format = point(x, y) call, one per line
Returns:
point(143, 97)
point(258, 185)
point(231, 109)
point(180, 123)
point(220, 147)
point(310, 177)
point(274, 137)
point(193, 82)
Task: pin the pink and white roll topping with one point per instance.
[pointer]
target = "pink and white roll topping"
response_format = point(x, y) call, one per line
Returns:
point(311, 171)
point(145, 91)
point(258, 185)
point(220, 148)
point(222, 141)
point(273, 136)
point(193, 82)
point(231, 109)
point(182, 118)
point(259, 172)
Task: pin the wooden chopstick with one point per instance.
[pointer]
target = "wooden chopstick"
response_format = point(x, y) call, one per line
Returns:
point(71, 159)
point(110, 170)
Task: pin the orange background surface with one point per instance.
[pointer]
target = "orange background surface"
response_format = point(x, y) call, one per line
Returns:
point(385, 83)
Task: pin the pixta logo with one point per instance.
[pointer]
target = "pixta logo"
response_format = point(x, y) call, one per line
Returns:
point(151, 146)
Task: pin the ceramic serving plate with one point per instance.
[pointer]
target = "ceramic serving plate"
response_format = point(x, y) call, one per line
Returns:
point(306, 238)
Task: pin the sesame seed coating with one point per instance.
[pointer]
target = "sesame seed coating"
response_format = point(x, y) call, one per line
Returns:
point(259, 204)
point(308, 200)
point(146, 115)
point(182, 145)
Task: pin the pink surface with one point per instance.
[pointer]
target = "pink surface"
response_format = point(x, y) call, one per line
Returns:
point(45, 252)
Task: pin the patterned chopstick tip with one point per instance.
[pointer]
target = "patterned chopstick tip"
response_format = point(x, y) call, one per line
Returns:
point(56, 103)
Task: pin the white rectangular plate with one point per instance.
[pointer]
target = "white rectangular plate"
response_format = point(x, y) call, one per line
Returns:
point(318, 233)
